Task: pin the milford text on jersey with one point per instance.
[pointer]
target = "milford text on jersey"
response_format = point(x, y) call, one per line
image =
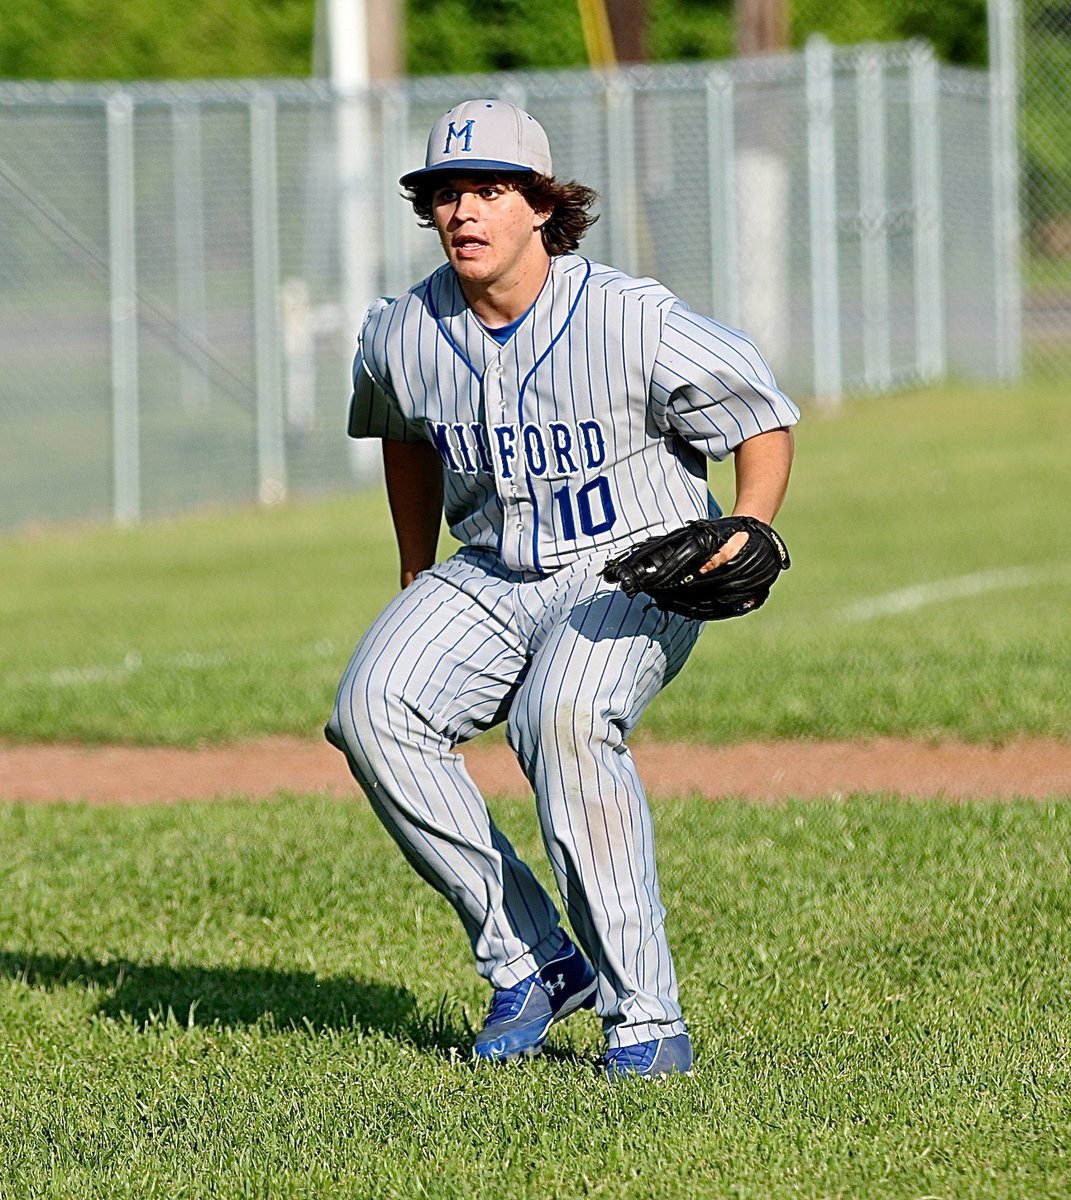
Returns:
point(555, 449)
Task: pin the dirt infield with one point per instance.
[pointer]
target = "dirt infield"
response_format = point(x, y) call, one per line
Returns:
point(130, 775)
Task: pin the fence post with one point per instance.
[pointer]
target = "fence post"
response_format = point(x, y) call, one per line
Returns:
point(622, 180)
point(355, 165)
point(397, 217)
point(874, 213)
point(188, 187)
point(1004, 23)
point(122, 271)
point(822, 174)
point(930, 347)
point(267, 325)
point(721, 166)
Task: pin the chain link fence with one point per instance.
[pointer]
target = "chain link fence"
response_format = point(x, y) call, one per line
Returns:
point(183, 267)
point(1045, 162)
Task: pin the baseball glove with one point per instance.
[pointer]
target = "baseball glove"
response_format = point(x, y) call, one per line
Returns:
point(667, 569)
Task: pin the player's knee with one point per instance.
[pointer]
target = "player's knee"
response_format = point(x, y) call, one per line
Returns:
point(361, 721)
point(347, 732)
point(566, 728)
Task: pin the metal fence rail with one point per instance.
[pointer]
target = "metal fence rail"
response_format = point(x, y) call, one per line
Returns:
point(183, 267)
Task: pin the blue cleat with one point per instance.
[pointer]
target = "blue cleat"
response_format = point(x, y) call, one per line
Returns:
point(650, 1060)
point(521, 1016)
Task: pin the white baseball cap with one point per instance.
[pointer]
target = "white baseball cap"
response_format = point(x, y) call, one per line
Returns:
point(484, 135)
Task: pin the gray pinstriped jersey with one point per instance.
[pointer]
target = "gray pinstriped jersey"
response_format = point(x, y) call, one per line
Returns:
point(587, 429)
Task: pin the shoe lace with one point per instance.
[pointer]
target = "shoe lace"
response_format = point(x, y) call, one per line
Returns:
point(507, 1002)
point(638, 1056)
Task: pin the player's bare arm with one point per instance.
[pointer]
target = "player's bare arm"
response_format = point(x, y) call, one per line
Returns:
point(763, 464)
point(414, 478)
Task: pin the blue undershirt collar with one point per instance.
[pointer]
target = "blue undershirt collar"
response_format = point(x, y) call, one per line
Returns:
point(504, 332)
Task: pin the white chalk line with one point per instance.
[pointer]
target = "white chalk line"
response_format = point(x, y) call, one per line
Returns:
point(910, 599)
point(133, 661)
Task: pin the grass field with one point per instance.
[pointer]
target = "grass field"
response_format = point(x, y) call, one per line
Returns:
point(929, 597)
point(240, 999)
point(226, 1000)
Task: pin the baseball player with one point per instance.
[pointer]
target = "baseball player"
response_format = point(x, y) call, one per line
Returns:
point(556, 410)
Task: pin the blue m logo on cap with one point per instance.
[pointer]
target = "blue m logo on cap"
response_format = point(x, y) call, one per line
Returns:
point(463, 135)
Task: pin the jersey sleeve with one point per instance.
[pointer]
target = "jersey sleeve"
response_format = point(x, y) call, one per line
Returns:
point(374, 411)
point(711, 386)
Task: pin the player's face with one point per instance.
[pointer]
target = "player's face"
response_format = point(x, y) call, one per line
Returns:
point(489, 231)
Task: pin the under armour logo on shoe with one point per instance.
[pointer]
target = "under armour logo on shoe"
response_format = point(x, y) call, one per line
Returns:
point(556, 986)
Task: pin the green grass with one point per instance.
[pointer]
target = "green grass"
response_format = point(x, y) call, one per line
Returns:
point(230, 625)
point(238, 1000)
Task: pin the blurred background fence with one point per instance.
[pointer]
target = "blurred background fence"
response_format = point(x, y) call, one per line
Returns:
point(1044, 66)
point(183, 266)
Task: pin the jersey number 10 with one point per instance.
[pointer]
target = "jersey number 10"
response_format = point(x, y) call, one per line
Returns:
point(580, 508)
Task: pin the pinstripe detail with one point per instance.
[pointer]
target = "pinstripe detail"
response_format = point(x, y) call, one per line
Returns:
point(397, 721)
point(429, 300)
point(471, 643)
point(605, 859)
point(536, 565)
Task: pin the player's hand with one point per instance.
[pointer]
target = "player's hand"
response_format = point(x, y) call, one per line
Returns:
point(730, 550)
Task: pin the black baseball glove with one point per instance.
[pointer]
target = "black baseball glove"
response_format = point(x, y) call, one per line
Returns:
point(667, 568)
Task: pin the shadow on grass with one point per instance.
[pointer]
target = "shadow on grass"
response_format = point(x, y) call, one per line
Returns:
point(153, 994)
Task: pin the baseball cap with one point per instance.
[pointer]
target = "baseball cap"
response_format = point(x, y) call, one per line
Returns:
point(484, 135)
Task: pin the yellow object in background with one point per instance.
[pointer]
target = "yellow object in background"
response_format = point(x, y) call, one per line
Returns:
point(598, 39)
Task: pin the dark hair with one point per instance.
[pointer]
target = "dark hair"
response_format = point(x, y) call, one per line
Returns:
point(568, 204)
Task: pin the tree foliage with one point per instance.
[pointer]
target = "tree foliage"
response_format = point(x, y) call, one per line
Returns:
point(152, 39)
point(484, 35)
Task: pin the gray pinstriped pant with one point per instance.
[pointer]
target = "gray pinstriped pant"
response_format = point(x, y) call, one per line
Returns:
point(570, 664)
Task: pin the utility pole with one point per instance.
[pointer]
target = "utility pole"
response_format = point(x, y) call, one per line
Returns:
point(361, 45)
point(357, 42)
point(762, 195)
point(628, 27)
point(761, 26)
point(386, 49)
